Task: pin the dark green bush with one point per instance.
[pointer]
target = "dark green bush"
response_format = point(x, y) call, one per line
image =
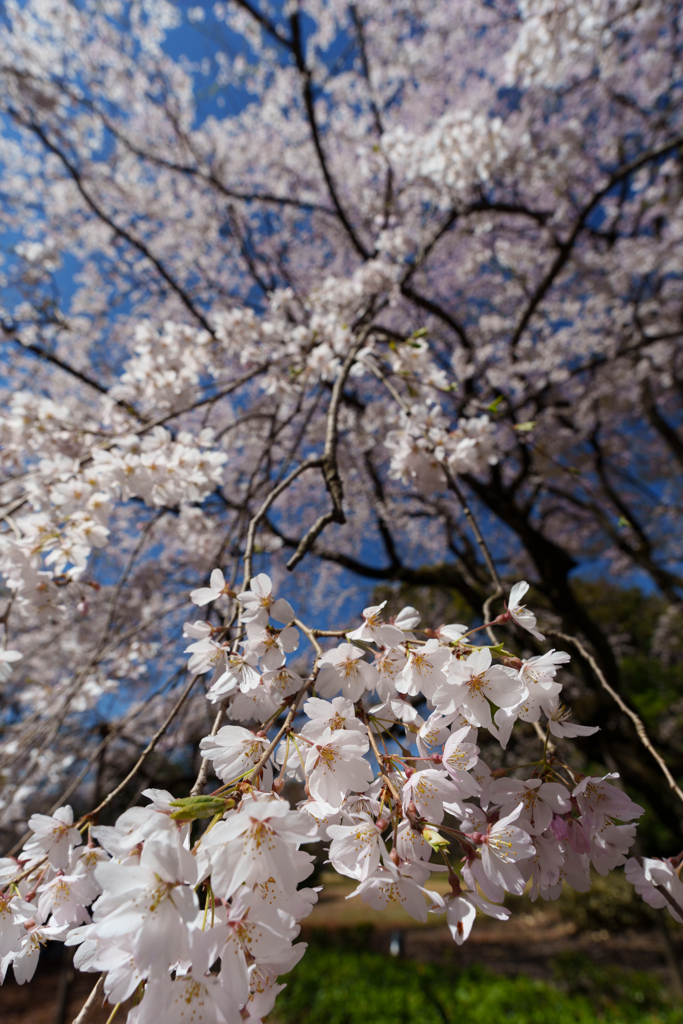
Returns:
point(339, 986)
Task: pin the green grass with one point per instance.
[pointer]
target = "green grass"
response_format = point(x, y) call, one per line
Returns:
point(338, 985)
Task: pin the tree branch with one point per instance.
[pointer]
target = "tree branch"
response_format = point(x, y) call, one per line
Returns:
point(106, 219)
point(566, 247)
point(309, 104)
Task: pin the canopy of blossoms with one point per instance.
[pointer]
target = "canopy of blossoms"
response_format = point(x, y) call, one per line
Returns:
point(372, 293)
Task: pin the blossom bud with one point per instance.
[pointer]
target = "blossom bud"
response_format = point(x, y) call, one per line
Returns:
point(278, 785)
point(381, 824)
point(558, 827)
point(579, 839)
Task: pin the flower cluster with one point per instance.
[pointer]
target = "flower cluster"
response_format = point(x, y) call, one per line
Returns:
point(423, 445)
point(71, 493)
point(384, 737)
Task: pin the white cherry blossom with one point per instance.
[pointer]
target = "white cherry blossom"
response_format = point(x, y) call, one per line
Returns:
point(259, 604)
point(424, 669)
point(429, 789)
point(217, 587)
point(472, 684)
point(356, 849)
point(503, 845)
point(520, 613)
point(596, 798)
point(335, 765)
point(374, 629)
point(7, 660)
point(53, 836)
point(540, 800)
point(234, 751)
point(344, 669)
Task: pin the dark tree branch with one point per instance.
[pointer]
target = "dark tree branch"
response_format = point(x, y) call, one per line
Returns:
point(565, 249)
point(309, 104)
point(657, 421)
point(106, 219)
point(84, 378)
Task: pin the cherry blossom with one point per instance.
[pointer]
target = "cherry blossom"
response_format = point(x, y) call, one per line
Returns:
point(343, 668)
point(254, 845)
point(233, 751)
point(205, 595)
point(258, 603)
point(339, 713)
point(7, 659)
point(374, 629)
point(429, 790)
point(540, 800)
point(520, 614)
point(356, 849)
point(502, 846)
point(472, 683)
point(53, 836)
point(402, 885)
point(271, 646)
point(335, 765)
point(424, 669)
point(650, 877)
point(596, 798)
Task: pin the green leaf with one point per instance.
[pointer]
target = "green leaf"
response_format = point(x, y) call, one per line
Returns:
point(435, 840)
point(493, 407)
point(529, 425)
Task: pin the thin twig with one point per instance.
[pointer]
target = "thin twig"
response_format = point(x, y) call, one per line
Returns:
point(635, 718)
point(380, 763)
point(148, 749)
point(329, 458)
point(203, 773)
point(287, 724)
point(275, 493)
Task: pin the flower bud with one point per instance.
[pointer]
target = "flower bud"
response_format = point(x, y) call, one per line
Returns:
point(559, 828)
